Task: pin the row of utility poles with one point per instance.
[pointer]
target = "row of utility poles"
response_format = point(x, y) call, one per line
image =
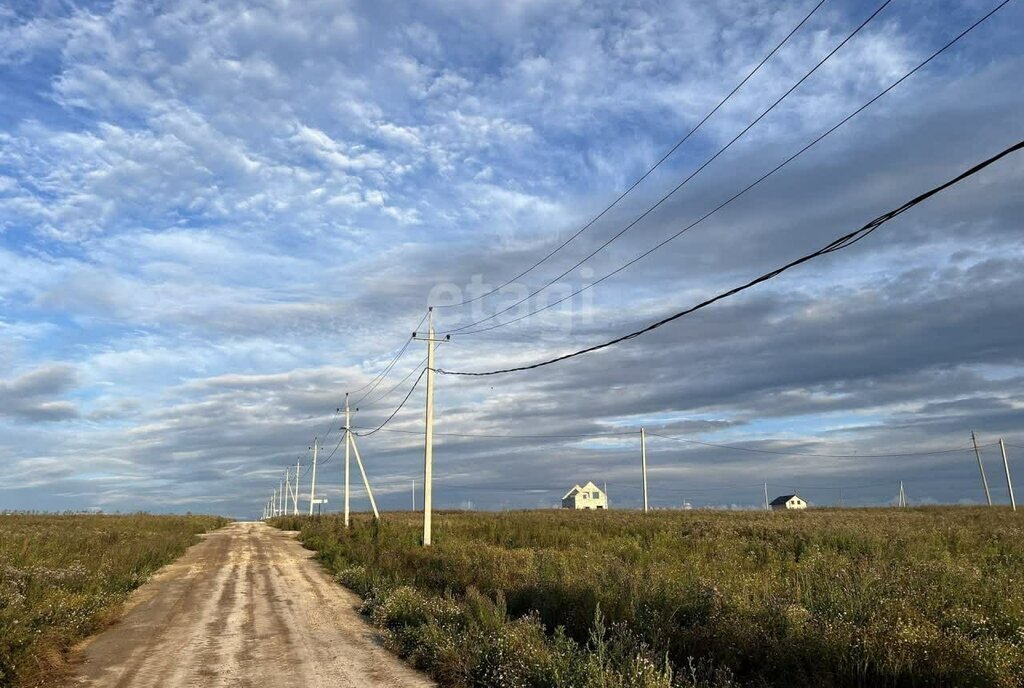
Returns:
point(277, 505)
point(289, 489)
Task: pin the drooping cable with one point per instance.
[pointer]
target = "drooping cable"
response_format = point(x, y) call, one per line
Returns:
point(840, 243)
point(750, 186)
point(395, 412)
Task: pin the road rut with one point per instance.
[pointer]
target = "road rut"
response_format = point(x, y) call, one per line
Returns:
point(246, 607)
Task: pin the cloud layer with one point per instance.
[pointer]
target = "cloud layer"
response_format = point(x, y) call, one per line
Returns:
point(215, 220)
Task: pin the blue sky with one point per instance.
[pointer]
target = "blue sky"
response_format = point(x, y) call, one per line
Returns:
point(216, 218)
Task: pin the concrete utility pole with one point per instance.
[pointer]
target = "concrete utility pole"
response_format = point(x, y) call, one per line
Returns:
point(295, 494)
point(643, 464)
point(280, 499)
point(414, 495)
point(348, 429)
point(902, 501)
point(1006, 467)
point(312, 483)
point(287, 488)
point(428, 431)
point(766, 507)
point(981, 467)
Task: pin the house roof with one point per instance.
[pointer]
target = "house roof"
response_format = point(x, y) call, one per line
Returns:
point(590, 486)
point(575, 488)
point(778, 501)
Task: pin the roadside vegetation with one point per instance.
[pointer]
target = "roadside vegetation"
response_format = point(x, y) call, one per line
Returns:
point(908, 597)
point(64, 577)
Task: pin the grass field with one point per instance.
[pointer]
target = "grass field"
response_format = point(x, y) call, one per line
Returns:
point(909, 597)
point(63, 577)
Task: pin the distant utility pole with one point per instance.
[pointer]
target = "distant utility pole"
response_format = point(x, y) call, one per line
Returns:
point(643, 464)
point(981, 467)
point(312, 482)
point(766, 507)
point(902, 499)
point(295, 494)
point(288, 487)
point(428, 431)
point(280, 499)
point(1006, 467)
point(414, 495)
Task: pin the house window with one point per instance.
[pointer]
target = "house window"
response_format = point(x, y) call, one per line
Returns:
point(596, 495)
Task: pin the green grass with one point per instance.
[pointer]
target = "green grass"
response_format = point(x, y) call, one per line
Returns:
point(64, 577)
point(910, 597)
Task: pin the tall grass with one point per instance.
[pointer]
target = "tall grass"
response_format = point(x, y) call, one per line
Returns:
point(910, 597)
point(63, 577)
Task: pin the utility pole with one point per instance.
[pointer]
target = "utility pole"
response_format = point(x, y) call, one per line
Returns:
point(312, 483)
point(643, 464)
point(288, 488)
point(348, 429)
point(428, 431)
point(766, 507)
point(414, 495)
point(981, 467)
point(295, 494)
point(280, 499)
point(902, 496)
point(1006, 467)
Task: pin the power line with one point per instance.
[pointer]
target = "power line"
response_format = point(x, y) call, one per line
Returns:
point(398, 384)
point(650, 170)
point(377, 379)
point(797, 453)
point(383, 374)
point(506, 436)
point(395, 412)
point(719, 445)
point(842, 242)
point(685, 181)
point(750, 186)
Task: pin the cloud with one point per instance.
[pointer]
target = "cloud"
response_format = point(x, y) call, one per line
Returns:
point(216, 220)
point(31, 395)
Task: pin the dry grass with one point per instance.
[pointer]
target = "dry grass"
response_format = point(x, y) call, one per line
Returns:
point(64, 577)
point(912, 597)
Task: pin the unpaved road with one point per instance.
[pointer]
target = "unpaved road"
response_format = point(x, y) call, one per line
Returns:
point(245, 607)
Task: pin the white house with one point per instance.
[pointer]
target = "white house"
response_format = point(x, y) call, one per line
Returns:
point(590, 496)
point(790, 501)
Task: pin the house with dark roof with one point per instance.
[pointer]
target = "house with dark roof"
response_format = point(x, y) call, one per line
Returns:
point(790, 501)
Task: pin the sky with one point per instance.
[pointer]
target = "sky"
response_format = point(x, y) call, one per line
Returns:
point(218, 218)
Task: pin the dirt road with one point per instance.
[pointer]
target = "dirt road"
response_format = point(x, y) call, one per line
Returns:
point(246, 607)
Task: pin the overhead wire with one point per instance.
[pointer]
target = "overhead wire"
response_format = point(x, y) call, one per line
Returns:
point(686, 180)
point(838, 244)
point(399, 383)
point(750, 186)
point(649, 170)
point(799, 453)
point(377, 379)
point(395, 412)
